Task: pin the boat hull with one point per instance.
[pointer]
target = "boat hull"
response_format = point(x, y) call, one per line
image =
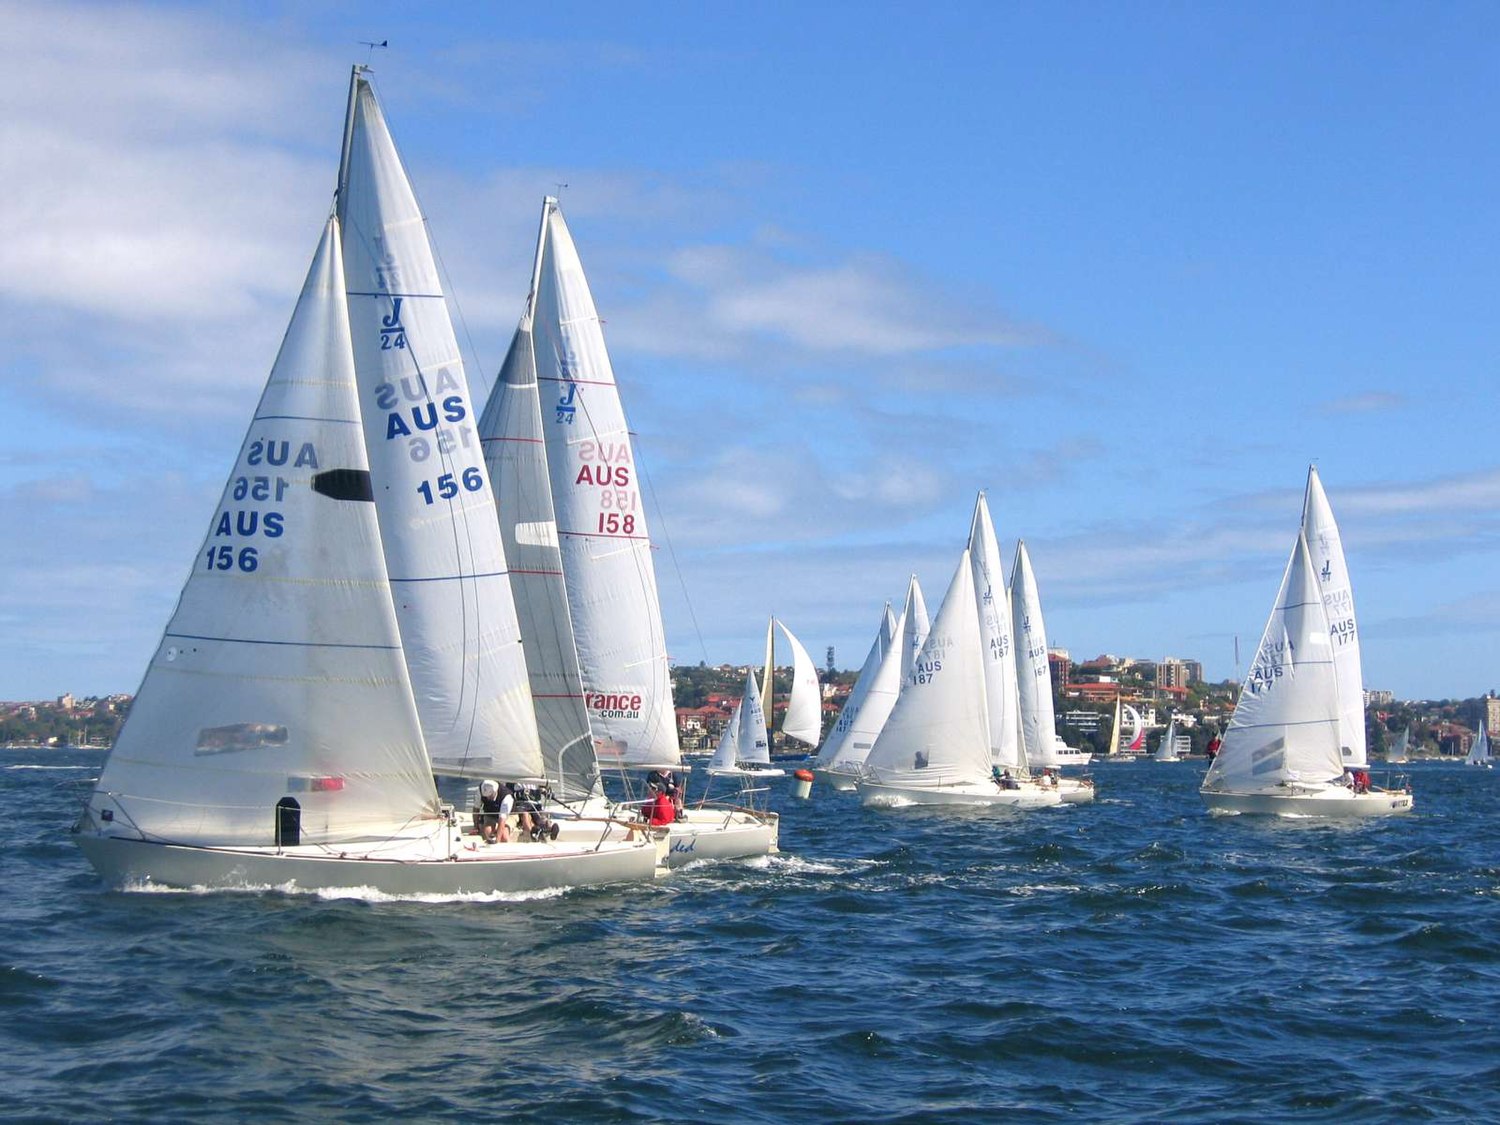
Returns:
point(841, 780)
point(1332, 802)
point(1075, 792)
point(717, 834)
point(474, 869)
point(880, 794)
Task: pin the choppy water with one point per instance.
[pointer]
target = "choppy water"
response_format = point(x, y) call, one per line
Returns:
point(1136, 960)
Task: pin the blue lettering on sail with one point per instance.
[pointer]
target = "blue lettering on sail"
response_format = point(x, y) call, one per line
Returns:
point(565, 407)
point(392, 332)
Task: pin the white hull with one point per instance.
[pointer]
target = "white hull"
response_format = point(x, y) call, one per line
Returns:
point(880, 794)
point(1330, 801)
point(1070, 758)
point(715, 834)
point(1076, 792)
point(738, 771)
point(474, 868)
point(844, 781)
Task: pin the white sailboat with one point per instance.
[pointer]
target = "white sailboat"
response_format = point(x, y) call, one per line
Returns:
point(558, 444)
point(935, 746)
point(1167, 750)
point(1034, 672)
point(1338, 604)
point(1400, 752)
point(1281, 751)
point(1011, 764)
point(803, 720)
point(348, 619)
point(870, 703)
point(744, 748)
point(1479, 751)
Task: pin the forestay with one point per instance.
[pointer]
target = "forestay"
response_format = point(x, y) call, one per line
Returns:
point(281, 669)
point(432, 494)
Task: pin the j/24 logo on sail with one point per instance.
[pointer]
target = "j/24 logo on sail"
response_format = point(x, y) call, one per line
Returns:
point(392, 332)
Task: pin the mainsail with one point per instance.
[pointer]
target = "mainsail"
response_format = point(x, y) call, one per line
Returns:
point(993, 605)
point(433, 499)
point(1338, 603)
point(600, 519)
point(281, 669)
point(883, 644)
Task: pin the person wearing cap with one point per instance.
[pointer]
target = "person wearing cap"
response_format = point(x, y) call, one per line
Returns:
point(493, 810)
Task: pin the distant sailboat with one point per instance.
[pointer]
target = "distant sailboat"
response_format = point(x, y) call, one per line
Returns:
point(1135, 741)
point(1400, 752)
point(1281, 751)
point(803, 719)
point(745, 748)
point(1479, 752)
point(866, 709)
point(1034, 671)
point(1167, 750)
point(935, 747)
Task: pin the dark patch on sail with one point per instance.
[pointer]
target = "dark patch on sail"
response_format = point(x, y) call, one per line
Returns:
point(344, 484)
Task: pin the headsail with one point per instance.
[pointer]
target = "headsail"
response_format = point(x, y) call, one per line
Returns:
point(804, 709)
point(1167, 751)
point(432, 494)
point(601, 522)
point(885, 638)
point(1338, 603)
point(281, 670)
point(915, 626)
point(870, 703)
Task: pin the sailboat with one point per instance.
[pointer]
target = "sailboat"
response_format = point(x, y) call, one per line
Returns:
point(1479, 752)
point(1400, 752)
point(1009, 760)
point(1167, 750)
point(348, 620)
point(558, 444)
point(935, 746)
point(803, 720)
point(869, 705)
point(1327, 549)
point(1034, 672)
point(744, 748)
point(1281, 752)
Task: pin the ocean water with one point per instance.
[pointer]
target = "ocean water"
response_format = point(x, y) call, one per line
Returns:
point(1134, 960)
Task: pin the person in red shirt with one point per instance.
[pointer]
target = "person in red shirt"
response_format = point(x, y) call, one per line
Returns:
point(661, 812)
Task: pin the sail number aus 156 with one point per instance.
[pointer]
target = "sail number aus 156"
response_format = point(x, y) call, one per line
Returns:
point(447, 486)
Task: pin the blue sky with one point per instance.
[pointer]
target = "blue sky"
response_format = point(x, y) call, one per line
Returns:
point(1129, 268)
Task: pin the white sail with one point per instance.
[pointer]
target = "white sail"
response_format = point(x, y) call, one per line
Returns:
point(1115, 728)
point(1479, 752)
point(754, 746)
point(993, 605)
point(804, 709)
point(938, 731)
point(1136, 742)
point(1033, 672)
point(514, 451)
point(280, 676)
point(857, 733)
point(1338, 603)
point(1400, 751)
point(1167, 751)
point(432, 493)
point(601, 522)
point(727, 753)
point(915, 625)
point(1285, 725)
point(838, 737)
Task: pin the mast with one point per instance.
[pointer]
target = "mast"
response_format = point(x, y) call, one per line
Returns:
point(340, 191)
